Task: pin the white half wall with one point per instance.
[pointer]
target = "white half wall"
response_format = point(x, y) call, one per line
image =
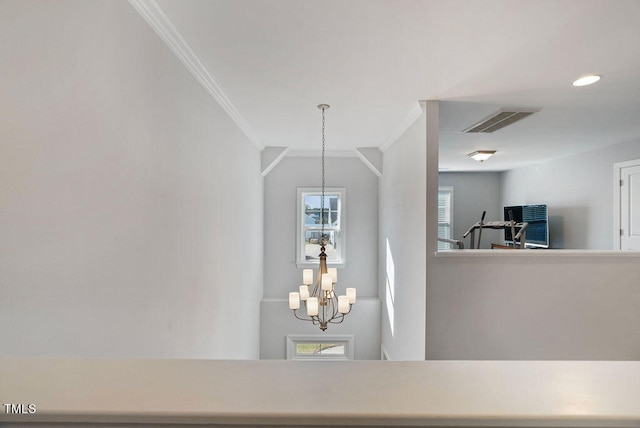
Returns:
point(131, 204)
point(281, 275)
point(402, 244)
point(269, 394)
point(548, 305)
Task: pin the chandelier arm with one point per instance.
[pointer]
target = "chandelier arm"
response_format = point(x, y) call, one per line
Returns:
point(336, 302)
point(303, 319)
point(334, 306)
point(325, 308)
point(314, 320)
point(315, 290)
point(342, 316)
point(350, 306)
point(333, 321)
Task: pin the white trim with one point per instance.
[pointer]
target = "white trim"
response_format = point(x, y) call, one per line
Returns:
point(154, 15)
point(432, 141)
point(345, 339)
point(617, 171)
point(372, 158)
point(299, 153)
point(270, 157)
point(406, 123)
point(617, 176)
point(301, 262)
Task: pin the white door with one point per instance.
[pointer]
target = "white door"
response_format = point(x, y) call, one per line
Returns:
point(630, 207)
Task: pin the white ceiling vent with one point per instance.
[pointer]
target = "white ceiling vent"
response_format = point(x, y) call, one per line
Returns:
point(501, 118)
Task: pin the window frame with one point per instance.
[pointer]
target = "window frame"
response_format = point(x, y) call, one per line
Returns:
point(347, 340)
point(340, 231)
point(448, 189)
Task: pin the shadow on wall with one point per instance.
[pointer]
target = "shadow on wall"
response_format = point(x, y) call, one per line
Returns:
point(390, 287)
point(577, 228)
point(556, 231)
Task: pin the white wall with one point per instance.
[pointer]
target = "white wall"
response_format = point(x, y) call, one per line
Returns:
point(473, 193)
point(131, 205)
point(578, 191)
point(281, 275)
point(402, 244)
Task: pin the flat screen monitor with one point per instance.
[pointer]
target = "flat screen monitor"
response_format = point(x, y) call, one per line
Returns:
point(537, 233)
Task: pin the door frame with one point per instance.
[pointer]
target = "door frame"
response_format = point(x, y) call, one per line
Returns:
point(617, 177)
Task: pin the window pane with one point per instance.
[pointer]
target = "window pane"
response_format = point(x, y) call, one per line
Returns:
point(332, 349)
point(444, 207)
point(444, 218)
point(313, 210)
point(313, 217)
point(444, 231)
point(307, 348)
point(312, 243)
point(319, 348)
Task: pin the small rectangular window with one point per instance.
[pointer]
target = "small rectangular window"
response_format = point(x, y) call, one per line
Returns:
point(311, 220)
point(445, 216)
point(317, 348)
point(320, 347)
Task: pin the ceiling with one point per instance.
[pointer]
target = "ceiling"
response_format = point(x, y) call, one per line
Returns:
point(373, 60)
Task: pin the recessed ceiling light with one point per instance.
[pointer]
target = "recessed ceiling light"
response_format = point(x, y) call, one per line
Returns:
point(586, 80)
point(481, 155)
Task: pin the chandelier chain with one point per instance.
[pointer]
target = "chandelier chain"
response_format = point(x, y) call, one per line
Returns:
point(322, 220)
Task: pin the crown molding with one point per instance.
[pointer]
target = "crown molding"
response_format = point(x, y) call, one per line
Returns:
point(270, 157)
point(406, 123)
point(155, 16)
point(372, 158)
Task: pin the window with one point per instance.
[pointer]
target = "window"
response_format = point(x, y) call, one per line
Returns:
point(320, 347)
point(445, 216)
point(310, 224)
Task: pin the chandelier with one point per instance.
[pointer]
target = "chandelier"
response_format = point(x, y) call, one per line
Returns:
point(322, 304)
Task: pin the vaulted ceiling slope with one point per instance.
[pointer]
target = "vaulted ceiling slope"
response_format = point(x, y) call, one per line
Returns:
point(372, 60)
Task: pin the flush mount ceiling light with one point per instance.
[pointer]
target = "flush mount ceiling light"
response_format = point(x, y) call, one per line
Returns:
point(481, 155)
point(586, 80)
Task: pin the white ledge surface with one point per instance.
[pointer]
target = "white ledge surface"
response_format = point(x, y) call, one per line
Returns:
point(537, 253)
point(425, 393)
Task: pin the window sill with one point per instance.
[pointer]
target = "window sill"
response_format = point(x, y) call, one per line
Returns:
point(307, 265)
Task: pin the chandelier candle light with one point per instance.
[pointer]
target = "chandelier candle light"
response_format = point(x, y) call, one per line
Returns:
point(322, 304)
